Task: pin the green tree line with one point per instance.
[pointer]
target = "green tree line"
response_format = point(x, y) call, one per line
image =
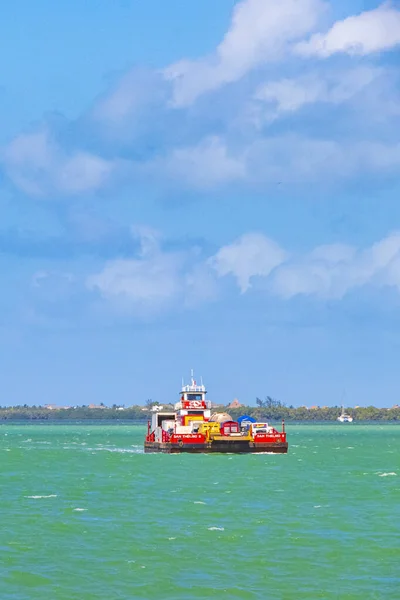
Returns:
point(264, 410)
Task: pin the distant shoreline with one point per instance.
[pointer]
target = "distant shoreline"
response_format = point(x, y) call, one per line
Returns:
point(139, 414)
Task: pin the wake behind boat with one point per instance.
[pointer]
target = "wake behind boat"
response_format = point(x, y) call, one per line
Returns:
point(192, 428)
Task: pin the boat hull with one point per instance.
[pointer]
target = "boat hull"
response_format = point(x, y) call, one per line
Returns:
point(220, 447)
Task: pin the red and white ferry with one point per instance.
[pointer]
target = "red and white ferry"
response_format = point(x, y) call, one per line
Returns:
point(192, 428)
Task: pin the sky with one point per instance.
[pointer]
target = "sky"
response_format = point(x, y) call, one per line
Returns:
point(206, 185)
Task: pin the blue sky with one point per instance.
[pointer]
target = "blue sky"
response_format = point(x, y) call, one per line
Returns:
point(200, 184)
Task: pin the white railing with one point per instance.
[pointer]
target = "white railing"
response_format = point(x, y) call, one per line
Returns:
point(193, 388)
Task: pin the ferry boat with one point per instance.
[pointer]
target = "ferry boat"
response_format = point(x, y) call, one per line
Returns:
point(192, 428)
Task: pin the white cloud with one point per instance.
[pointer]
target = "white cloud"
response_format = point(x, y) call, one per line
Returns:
point(157, 281)
point(369, 32)
point(125, 98)
point(134, 105)
point(260, 31)
point(329, 271)
point(333, 271)
point(139, 284)
point(252, 255)
point(28, 159)
point(38, 166)
point(143, 284)
point(224, 140)
point(204, 165)
point(292, 159)
point(154, 281)
point(286, 159)
point(289, 95)
point(82, 172)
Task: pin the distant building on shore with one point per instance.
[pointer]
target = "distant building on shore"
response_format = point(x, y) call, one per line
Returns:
point(235, 404)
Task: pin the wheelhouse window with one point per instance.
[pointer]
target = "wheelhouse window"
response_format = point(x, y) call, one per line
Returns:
point(194, 397)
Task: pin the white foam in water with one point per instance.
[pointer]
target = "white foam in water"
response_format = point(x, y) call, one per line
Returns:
point(133, 450)
point(387, 474)
point(216, 529)
point(198, 502)
point(39, 497)
point(79, 509)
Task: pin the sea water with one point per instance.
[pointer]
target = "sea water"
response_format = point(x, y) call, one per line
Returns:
point(86, 514)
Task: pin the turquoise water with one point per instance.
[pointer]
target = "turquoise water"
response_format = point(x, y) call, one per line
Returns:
point(85, 514)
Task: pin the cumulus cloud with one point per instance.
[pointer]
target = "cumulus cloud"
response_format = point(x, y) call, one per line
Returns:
point(155, 280)
point(158, 280)
point(367, 33)
point(329, 271)
point(260, 31)
point(38, 165)
point(184, 128)
point(207, 164)
point(288, 95)
point(139, 282)
point(293, 159)
point(251, 255)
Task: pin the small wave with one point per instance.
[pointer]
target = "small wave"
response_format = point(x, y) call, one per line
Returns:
point(79, 509)
point(387, 474)
point(198, 502)
point(40, 497)
point(133, 450)
point(261, 453)
point(216, 529)
point(172, 538)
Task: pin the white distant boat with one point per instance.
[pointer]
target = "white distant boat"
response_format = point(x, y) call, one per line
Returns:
point(344, 417)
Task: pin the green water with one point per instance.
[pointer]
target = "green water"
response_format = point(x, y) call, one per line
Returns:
point(86, 515)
